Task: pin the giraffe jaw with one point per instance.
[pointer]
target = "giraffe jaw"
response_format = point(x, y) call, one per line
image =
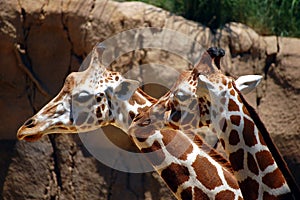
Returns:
point(28, 135)
point(32, 134)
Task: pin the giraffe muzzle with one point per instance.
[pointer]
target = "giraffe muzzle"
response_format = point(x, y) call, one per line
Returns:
point(26, 131)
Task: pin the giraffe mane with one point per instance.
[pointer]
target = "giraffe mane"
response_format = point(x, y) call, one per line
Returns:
point(211, 151)
point(273, 149)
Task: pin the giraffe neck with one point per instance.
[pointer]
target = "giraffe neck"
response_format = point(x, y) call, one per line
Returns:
point(183, 163)
point(180, 156)
point(257, 172)
point(275, 152)
point(126, 111)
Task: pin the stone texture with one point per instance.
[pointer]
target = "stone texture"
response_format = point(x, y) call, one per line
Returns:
point(53, 38)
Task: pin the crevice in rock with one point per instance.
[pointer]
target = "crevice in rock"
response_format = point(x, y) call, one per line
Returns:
point(144, 183)
point(92, 7)
point(278, 46)
point(56, 162)
point(128, 187)
point(258, 99)
point(72, 153)
point(42, 11)
point(270, 69)
point(141, 73)
point(270, 61)
point(89, 23)
point(25, 63)
point(66, 30)
point(113, 177)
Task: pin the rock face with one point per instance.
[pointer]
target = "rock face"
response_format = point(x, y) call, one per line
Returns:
point(43, 42)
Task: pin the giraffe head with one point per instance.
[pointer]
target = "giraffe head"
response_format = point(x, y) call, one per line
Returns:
point(212, 83)
point(194, 90)
point(84, 102)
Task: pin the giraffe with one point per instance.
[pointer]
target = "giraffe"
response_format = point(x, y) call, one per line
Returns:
point(151, 131)
point(97, 97)
point(88, 100)
point(218, 104)
point(191, 168)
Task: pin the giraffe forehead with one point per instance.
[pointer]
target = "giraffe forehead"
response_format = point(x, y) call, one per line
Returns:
point(96, 82)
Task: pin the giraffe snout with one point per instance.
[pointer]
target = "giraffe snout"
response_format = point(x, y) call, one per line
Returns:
point(26, 132)
point(30, 123)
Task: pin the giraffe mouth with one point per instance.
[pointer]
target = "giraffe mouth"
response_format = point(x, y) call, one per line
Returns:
point(31, 138)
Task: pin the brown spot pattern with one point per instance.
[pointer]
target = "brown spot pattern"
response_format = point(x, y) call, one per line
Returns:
point(142, 109)
point(261, 139)
point(142, 133)
point(224, 81)
point(131, 114)
point(245, 111)
point(264, 159)
point(57, 123)
point(232, 92)
point(201, 100)
point(232, 106)
point(173, 126)
point(223, 143)
point(90, 120)
point(274, 179)
point(176, 145)
point(231, 181)
point(214, 113)
point(237, 160)
point(225, 195)
point(193, 104)
point(81, 118)
point(235, 119)
point(248, 133)
point(175, 115)
point(156, 156)
point(187, 194)
point(252, 166)
point(249, 188)
point(229, 85)
point(223, 124)
point(188, 118)
point(223, 100)
point(136, 99)
point(267, 196)
point(174, 175)
point(199, 194)
point(239, 99)
point(204, 171)
point(234, 137)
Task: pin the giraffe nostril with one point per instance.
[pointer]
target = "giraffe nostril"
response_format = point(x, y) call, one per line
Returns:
point(29, 123)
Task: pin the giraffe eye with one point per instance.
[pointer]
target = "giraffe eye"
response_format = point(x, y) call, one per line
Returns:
point(82, 97)
point(182, 96)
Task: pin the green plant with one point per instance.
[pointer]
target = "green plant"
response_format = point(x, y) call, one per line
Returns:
point(279, 17)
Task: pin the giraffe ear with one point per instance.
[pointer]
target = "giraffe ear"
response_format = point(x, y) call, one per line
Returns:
point(126, 89)
point(204, 83)
point(247, 83)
